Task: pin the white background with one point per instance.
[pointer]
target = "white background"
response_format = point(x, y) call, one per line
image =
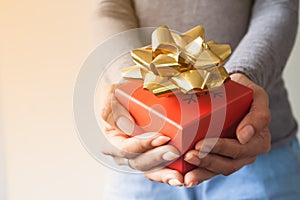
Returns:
point(42, 45)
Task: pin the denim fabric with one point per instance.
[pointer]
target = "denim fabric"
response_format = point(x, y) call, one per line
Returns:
point(275, 175)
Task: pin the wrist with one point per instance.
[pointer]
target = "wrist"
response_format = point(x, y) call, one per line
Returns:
point(241, 78)
point(238, 76)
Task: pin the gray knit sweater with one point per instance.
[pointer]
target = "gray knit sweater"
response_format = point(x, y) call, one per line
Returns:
point(261, 33)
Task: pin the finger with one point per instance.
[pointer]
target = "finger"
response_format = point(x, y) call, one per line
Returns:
point(160, 156)
point(120, 145)
point(165, 175)
point(196, 176)
point(192, 157)
point(117, 115)
point(123, 119)
point(121, 161)
point(217, 164)
point(223, 146)
point(106, 106)
point(232, 148)
point(261, 142)
point(258, 117)
point(222, 165)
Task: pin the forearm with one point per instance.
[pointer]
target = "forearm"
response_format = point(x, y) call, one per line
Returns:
point(114, 16)
point(264, 50)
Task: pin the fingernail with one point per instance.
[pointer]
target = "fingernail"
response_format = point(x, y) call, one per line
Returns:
point(204, 150)
point(202, 155)
point(160, 141)
point(169, 156)
point(246, 134)
point(192, 159)
point(146, 136)
point(188, 156)
point(174, 182)
point(191, 184)
point(125, 125)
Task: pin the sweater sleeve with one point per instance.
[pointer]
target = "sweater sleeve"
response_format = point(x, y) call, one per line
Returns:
point(264, 50)
point(113, 16)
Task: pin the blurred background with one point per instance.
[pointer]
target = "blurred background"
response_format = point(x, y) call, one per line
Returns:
point(42, 46)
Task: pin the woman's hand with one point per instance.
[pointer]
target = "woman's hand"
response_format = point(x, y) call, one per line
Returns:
point(215, 156)
point(145, 152)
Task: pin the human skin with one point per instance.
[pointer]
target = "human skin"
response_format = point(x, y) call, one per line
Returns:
point(213, 156)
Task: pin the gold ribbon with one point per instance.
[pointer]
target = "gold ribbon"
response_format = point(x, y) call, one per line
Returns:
point(176, 62)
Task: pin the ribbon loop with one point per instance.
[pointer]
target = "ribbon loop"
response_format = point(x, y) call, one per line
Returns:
point(179, 62)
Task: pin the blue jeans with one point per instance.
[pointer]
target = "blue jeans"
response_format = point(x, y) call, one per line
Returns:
point(275, 175)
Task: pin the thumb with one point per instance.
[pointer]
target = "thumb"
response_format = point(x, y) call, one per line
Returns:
point(123, 119)
point(115, 115)
point(258, 117)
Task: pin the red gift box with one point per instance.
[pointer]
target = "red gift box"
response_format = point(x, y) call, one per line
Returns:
point(187, 118)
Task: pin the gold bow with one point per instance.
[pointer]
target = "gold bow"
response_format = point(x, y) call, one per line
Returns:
point(179, 62)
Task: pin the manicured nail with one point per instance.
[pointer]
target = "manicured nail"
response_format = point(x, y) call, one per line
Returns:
point(202, 155)
point(146, 136)
point(192, 159)
point(246, 134)
point(175, 182)
point(191, 184)
point(160, 141)
point(204, 150)
point(125, 125)
point(188, 156)
point(169, 156)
